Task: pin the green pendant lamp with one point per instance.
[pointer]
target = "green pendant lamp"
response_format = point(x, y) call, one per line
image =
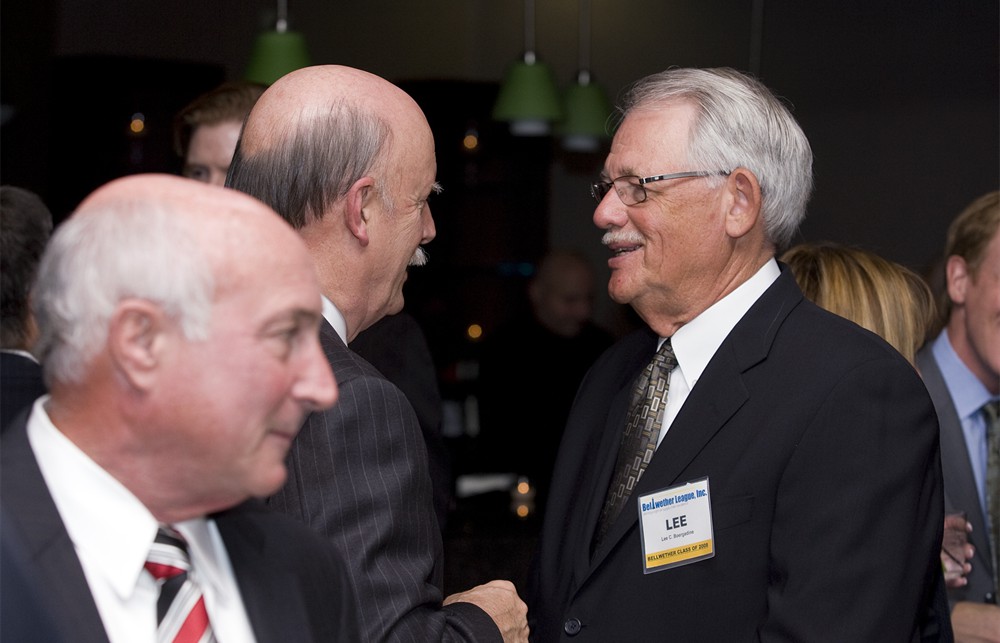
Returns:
point(528, 98)
point(587, 109)
point(275, 53)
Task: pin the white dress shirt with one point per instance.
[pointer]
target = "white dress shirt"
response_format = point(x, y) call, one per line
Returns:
point(335, 317)
point(112, 533)
point(695, 342)
point(17, 351)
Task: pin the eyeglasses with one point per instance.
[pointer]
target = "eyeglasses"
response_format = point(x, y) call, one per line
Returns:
point(630, 188)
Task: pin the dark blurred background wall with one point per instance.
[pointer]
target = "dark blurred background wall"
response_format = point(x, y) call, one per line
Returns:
point(899, 99)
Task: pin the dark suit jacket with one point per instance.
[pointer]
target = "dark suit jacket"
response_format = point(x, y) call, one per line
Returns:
point(821, 448)
point(20, 384)
point(960, 492)
point(293, 587)
point(397, 347)
point(358, 474)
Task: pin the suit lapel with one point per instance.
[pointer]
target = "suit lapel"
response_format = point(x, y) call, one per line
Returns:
point(271, 595)
point(611, 438)
point(32, 517)
point(959, 482)
point(716, 398)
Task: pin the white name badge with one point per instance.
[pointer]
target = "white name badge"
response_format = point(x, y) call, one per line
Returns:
point(676, 526)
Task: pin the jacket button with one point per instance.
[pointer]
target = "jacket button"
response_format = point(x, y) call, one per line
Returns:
point(990, 598)
point(572, 626)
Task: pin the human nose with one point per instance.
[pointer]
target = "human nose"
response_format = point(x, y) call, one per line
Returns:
point(610, 211)
point(429, 229)
point(317, 387)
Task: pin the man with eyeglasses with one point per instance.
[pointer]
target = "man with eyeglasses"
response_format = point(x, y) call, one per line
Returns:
point(748, 467)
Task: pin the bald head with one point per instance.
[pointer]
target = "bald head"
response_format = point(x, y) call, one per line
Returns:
point(306, 97)
point(193, 202)
point(318, 130)
point(158, 237)
point(180, 324)
point(562, 293)
point(347, 158)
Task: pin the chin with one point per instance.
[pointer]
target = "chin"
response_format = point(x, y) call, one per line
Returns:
point(396, 305)
point(272, 485)
point(618, 292)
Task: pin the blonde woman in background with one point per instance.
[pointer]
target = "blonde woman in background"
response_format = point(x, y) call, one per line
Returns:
point(885, 297)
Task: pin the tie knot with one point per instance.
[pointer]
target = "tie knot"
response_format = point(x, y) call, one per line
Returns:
point(168, 557)
point(665, 357)
point(992, 411)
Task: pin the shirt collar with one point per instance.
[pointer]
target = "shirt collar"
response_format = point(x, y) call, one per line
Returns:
point(107, 524)
point(695, 342)
point(18, 351)
point(965, 389)
point(335, 317)
point(208, 555)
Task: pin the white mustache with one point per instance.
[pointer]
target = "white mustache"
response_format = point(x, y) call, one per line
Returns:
point(621, 236)
point(419, 257)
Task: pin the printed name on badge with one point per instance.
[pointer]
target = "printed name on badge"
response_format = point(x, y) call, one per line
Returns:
point(676, 526)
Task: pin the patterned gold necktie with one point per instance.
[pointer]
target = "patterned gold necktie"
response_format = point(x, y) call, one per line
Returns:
point(181, 616)
point(991, 412)
point(642, 431)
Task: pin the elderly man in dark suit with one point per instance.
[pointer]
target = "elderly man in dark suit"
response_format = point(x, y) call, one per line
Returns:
point(961, 367)
point(348, 159)
point(179, 336)
point(772, 473)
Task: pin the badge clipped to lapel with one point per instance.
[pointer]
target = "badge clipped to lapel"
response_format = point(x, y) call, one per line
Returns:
point(676, 526)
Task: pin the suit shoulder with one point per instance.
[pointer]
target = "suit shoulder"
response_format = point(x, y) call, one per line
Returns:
point(285, 540)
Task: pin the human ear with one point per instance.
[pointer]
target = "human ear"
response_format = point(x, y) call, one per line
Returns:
point(360, 201)
point(956, 273)
point(743, 203)
point(136, 340)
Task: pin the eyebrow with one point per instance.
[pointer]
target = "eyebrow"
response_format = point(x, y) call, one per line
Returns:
point(626, 171)
point(298, 316)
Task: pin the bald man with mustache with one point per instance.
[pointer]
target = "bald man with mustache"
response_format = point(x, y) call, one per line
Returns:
point(348, 159)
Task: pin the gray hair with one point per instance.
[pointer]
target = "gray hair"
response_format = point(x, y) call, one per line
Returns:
point(740, 123)
point(103, 255)
point(315, 162)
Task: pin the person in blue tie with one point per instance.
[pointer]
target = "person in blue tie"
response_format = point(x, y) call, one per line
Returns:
point(961, 367)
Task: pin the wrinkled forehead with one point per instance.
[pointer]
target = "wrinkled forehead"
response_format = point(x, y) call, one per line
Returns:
point(651, 138)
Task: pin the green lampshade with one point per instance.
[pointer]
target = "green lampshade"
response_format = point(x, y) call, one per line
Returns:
point(528, 99)
point(587, 120)
point(275, 53)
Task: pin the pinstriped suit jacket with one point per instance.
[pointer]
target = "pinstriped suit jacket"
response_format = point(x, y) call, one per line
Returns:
point(358, 473)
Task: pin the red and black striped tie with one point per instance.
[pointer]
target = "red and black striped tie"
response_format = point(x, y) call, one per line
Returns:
point(181, 616)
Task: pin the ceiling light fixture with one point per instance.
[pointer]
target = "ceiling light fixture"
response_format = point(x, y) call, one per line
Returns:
point(586, 105)
point(275, 53)
point(528, 98)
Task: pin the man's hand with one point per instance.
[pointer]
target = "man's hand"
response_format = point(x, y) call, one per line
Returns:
point(499, 599)
point(956, 552)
